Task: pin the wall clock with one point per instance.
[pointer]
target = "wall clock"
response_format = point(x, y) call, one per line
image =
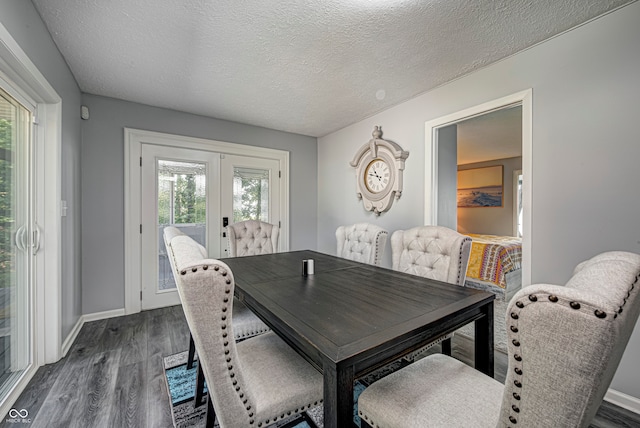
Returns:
point(379, 165)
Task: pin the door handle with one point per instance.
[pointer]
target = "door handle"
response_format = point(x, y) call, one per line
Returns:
point(35, 243)
point(20, 238)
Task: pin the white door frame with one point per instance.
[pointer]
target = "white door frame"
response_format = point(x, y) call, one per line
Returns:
point(431, 164)
point(17, 69)
point(133, 140)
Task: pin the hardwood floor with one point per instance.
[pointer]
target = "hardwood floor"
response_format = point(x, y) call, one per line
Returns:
point(112, 376)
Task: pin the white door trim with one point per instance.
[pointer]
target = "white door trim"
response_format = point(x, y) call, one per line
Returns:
point(431, 164)
point(133, 139)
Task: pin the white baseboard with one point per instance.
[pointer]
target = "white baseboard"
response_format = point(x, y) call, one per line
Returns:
point(71, 337)
point(103, 315)
point(623, 400)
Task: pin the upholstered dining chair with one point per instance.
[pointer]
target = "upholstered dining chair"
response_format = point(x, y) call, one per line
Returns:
point(252, 383)
point(434, 252)
point(565, 343)
point(252, 237)
point(246, 323)
point(362, 242)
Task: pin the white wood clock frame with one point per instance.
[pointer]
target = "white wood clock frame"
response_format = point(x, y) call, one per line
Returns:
point(379, 165)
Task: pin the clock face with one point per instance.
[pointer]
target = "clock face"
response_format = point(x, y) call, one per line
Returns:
point(377, 176)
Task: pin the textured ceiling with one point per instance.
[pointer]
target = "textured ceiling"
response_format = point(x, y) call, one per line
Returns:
point(309, 67)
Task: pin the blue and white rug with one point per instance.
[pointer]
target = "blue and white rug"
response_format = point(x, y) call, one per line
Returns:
point(181, 384)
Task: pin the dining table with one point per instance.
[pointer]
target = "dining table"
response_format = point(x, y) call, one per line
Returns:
point(348, 318)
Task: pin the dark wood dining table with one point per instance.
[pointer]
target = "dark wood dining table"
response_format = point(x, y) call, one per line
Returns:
point(349, 318)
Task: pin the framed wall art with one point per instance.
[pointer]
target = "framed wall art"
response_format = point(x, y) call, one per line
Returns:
point(480, 187)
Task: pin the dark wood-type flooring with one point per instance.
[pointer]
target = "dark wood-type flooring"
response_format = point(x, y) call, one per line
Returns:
point(112, 376)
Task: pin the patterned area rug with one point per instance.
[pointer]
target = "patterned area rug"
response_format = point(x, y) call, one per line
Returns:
point(181, 385)
point(499, 326)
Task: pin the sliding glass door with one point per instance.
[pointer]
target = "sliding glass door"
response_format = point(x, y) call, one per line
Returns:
point(17, 239)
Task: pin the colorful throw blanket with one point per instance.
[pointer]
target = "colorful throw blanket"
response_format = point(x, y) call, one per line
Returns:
point(492, 257)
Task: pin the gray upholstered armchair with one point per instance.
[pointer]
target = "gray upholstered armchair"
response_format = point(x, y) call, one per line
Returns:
point(246, 323)
point(434, 252)
point(252, 237)
point(565, 343)
point(362, 242)
point(252, 383)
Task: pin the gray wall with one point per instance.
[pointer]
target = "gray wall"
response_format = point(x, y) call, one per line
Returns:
point(103, 184)
point(23, 22)
point(447, 176)
point(585, 151)
point(494, 220)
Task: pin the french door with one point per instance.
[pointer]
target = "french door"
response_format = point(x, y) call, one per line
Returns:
point(179, 188)
point(199, 192)
point(250, 191)
point(19, 237)
point(198, 186)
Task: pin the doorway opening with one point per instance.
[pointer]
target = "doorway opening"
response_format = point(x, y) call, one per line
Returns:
point(441, 178)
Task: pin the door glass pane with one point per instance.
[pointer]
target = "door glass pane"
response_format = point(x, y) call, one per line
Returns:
point(15, 254)
point(182, 202)
point(250, 194)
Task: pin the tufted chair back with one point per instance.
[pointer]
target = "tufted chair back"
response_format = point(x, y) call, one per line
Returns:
point(362, 242)
point(565, 342)
point(434, 252)
point(252, 237)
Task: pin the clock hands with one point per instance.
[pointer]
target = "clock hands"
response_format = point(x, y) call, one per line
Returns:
point(375, 174)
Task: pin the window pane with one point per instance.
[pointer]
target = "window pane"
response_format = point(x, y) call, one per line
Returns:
point(182, 202)
point(15, 254)
point(250, 194)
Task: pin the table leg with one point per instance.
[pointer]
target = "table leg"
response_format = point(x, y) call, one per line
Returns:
point(484, 340)
point(338, 396)
point(446, 346)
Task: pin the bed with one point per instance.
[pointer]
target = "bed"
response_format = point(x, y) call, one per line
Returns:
point(495, 264)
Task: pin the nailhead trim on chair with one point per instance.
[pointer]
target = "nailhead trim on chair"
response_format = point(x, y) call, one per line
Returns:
point(376, 259)
point(460, 273)
point(225, 334)
point(535, 298)
point(232, 374)
point(371, 423)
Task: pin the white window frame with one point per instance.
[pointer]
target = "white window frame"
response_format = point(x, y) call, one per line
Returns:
point(17, 69)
